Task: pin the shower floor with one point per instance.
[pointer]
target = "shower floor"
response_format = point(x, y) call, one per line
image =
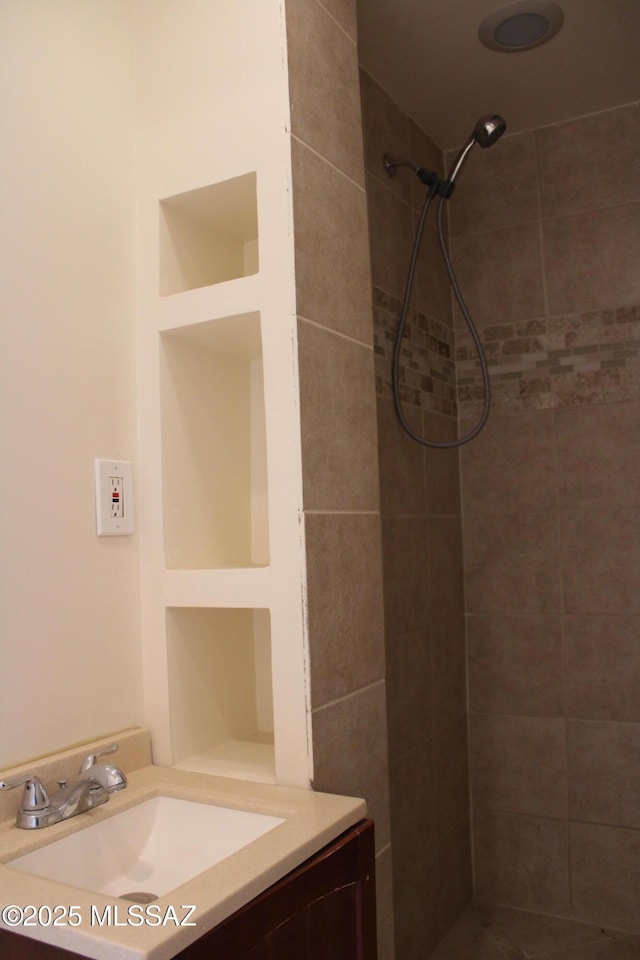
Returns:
point(499, 933)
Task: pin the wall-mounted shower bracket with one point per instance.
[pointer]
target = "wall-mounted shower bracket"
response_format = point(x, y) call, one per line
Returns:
point(428, 177)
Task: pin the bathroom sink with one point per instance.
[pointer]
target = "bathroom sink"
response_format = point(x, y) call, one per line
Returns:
point(148, 850)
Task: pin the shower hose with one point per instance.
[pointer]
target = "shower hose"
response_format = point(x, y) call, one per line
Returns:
point(468, 320)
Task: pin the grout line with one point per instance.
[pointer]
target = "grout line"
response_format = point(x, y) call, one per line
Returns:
point(548, 818)
point(595, 113)
point(352, 40)
point(603, 933)
point(348, 696)
point(563, 647)
point(586, 211)
point(337, 333)
point(543, 263)
point(341, 513)
point(497, 714)
point(506, 945)
point(329, 163)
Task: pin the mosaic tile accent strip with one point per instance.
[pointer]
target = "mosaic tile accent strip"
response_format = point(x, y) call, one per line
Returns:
point(553, 362)
point(427, 364)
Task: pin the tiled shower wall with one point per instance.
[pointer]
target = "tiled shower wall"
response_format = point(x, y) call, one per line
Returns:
point(546, 242)
point(545, 234)
point(338, 419)
point(422, 549)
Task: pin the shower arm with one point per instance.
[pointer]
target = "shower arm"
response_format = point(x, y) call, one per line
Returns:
point(428, 177)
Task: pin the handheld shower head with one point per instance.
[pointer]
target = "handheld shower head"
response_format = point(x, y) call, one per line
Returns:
point(488, 129)
point(485, 133)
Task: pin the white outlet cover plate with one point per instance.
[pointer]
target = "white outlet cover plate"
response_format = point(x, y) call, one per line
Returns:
point(106, 525)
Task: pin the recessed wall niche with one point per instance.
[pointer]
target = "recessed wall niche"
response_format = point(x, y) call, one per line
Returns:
point(214, 463)
point(220, 691)
point(209, 235)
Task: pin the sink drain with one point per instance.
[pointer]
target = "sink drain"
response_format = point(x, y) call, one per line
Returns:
point(139, 896)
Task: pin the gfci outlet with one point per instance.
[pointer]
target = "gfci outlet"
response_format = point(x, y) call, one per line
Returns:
point(114, 498)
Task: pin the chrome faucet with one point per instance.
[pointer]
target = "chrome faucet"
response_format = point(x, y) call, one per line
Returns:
point(91, 788)
point(108, 776)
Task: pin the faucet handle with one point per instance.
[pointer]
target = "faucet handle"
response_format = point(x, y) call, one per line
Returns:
point(90, 760)
point(34, 795)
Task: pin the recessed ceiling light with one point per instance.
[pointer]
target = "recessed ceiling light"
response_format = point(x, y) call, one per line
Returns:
point(521, 25)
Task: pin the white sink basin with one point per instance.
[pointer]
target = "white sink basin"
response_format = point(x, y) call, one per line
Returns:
point(149, 849)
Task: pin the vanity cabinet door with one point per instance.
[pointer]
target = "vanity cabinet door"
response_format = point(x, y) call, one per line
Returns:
point(322, 910)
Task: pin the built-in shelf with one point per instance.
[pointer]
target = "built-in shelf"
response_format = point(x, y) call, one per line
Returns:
point(209, 235)
point(214, 467)
point(220, 691)
point(219, 419)
point(242, 759)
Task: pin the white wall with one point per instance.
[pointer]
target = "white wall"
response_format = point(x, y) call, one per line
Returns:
point(110, 107)
point(70, 666)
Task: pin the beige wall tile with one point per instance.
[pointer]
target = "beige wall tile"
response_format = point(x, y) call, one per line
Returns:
point(551, 511)
point(345, 13)
point(602, 667)
point(519, 764)
point(391, 227)
point(500, 274)
point(413, 801)
point(454, 865)
point(345, 610)
point(521, 861)
point(605, 875)
point(324, 85)
point(424, 152)
point(350, 753)
point(384, 904)
point(417, 904)
point(590, 162)
point(604, 785)
point(598, 463)
point(446, 587)
point(406, 602)
point(337, 406)
point(468, 940)
point(452, 775)
point(593, 259)
point(511, 564)
point(601, 561)
point(449, 667)
point(402, 471)
point(619, 948)
point(432, 284)
point(495, 480)
point(442, 466)
point(535, 935)
point(385, 130)
point(499, 187)
point(424, 636)
point(333, 280)
point(515, 665)
point(410, 693)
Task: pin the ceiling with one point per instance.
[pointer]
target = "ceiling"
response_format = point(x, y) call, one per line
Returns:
point(427, 56)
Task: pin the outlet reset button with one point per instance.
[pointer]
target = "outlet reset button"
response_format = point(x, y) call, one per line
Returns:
point(114, 498)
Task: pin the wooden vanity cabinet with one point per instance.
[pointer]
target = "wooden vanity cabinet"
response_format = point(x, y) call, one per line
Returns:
point(322, 910)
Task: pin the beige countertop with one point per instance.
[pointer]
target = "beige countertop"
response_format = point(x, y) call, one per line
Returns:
point(311, 821)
